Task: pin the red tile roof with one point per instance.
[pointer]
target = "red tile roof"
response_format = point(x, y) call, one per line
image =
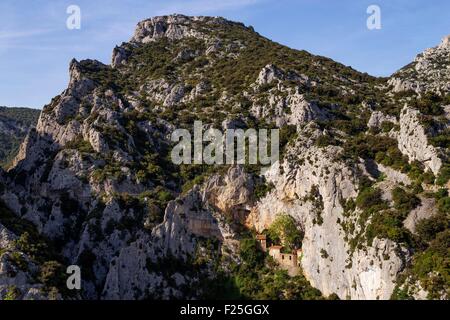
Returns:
point(276, 247)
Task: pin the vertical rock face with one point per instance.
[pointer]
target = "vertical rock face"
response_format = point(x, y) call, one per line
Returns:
point(328, 261)
point(197, 214)
point(429, 72)
point(285, 105)
point(377, 269)
point(413, 141)
point(232, 194)
point(96, 179)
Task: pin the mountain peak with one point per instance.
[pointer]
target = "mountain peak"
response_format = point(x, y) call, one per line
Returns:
point(445, 41)
point(427, 73)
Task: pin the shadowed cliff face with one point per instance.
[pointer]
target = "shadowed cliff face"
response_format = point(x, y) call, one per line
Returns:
point(96, 180)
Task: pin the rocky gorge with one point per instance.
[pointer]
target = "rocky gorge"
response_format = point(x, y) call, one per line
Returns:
point(363, 174)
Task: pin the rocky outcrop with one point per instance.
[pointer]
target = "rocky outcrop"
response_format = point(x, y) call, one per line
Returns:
point(174, 27)
point(231, 194)
point(429, 72)
point(119, 56)
point(285, 104)
point(287, 107)
point(377, 118)
point(196, 215)
point(271, 73)
point(413, 141)
point(425, 210)
point(176, 94)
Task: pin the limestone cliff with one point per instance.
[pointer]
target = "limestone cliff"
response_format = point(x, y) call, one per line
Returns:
point(95, 180)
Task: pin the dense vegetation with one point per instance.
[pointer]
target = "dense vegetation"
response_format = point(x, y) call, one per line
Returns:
point(431, 263)
point(18, 120)
point(50, 269)
point(24, 116)
point(258, 277)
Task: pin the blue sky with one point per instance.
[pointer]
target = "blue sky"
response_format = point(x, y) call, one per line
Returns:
point(36, 46)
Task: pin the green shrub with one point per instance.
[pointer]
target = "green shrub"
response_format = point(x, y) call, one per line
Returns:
point(368, 198)
point(164, 196)
point(323, 253)
point(12, 293)
point(28, 244)
point(387, 224)
point(250, 253)
point(442, 198)
point(429, 104)
point(386, 126)
point(80, 144)
point(325, 140)
point(284, 230)
point(404, 201)
point(444, 175)
point(262, 188)
point(401, 294)
point(52, 274)
point(442, 140)
point(288, 133)
point(18, 260)
point(444, 205)
point(428, 177)
point(432, 266)
point(427, 229)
